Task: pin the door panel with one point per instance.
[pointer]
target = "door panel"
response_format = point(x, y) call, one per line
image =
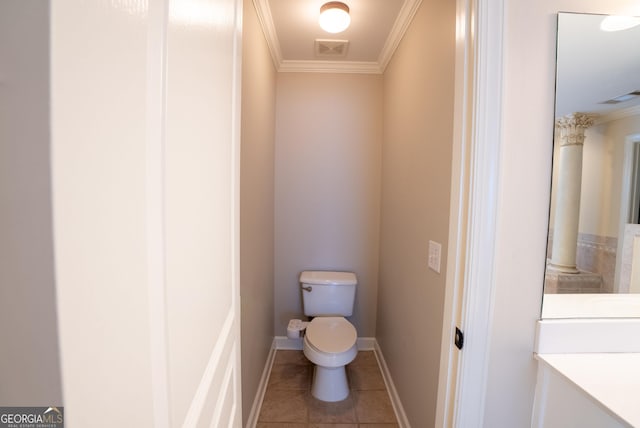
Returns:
point(145, 144)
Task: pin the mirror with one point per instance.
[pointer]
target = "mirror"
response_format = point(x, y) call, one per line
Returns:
point(593, 247)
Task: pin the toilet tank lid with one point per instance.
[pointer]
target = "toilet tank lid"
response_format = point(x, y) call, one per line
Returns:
point(328, 277)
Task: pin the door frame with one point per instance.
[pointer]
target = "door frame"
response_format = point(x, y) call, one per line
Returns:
point(631, 141)
point(470, 284)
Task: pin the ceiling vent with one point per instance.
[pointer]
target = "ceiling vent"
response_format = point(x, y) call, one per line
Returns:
point(331, 48)
point(622, 98)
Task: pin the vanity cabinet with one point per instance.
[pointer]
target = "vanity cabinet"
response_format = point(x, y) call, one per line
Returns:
point(590, 390)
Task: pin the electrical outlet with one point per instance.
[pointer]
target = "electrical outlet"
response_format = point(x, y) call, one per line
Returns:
point(435, 248)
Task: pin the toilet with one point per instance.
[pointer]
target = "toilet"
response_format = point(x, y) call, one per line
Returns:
point(330, 340)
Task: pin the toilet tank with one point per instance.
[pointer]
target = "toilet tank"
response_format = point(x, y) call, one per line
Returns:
point(326, 293)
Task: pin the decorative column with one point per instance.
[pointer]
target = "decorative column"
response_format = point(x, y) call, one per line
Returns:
point(570, 132)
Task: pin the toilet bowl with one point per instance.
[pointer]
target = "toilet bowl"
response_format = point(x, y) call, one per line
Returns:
point(330, 344)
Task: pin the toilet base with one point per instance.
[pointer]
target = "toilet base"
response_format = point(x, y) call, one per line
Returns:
point(330, 383)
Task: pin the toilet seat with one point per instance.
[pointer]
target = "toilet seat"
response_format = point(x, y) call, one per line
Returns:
point(331, 334)
point(330, 341)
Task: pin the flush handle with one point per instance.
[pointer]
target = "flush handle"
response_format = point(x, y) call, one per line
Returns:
point(307, 288)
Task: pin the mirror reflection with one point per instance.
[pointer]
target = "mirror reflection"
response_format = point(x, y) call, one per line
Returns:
point(594, 232)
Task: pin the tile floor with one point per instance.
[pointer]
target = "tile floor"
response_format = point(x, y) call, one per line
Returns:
point(288, 402)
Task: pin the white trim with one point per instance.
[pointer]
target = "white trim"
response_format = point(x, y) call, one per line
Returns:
point(252, 420)
point(401, 416)
point(226, 339)
point(618, 114)
point(290, 66)
point(366, 343)
point(627, 169)
point(222, 399)
point(284, 343)
point(458, 209)
point(155, 209)
point(400, 26)
point(236, 127)
point(269, 29)
point(540, 398)
point(563, 336)
point(479, 283)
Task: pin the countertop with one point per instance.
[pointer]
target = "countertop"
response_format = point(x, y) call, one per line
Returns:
point(611, 379)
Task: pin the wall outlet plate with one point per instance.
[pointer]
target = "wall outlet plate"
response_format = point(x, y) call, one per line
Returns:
point(435, 250)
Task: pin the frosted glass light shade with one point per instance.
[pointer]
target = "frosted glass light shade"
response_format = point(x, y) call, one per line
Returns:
point(619, 23)
point(334, 17)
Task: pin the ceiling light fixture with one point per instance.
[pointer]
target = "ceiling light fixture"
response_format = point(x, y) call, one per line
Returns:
point(619, 23)
point(334, 17)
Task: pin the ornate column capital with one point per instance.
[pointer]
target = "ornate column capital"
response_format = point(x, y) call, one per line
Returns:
point(570, 128)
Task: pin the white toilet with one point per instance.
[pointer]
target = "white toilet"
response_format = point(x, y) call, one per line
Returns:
point(330, 340)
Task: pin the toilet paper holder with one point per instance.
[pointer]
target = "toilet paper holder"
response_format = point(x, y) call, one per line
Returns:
point(296, 328)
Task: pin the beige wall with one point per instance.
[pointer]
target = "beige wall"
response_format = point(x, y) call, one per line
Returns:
point(256, 204)
point(618, 131)
point(29, 364)
point(327, 188)
point(598, 216)
point(612, 160)
point(416, 180)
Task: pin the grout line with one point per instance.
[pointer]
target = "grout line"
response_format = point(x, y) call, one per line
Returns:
point(370, 345)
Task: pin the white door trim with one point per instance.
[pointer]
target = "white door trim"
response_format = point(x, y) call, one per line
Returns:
point(155, 210)
point(625, 201)
point(458, 209)
point(474, 207)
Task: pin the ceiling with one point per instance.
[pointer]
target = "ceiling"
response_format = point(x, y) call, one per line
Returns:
point(595, 66)
point(291, 28)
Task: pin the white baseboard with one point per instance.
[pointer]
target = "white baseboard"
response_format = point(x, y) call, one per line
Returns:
point(364, 344)
point(393, 393)
point(252, 421)
point(284, 343)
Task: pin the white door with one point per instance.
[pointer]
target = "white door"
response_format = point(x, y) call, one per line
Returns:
point(145, 144)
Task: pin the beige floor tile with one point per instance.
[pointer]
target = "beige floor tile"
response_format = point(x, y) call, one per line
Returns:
point(373, 407)
point(333, 425)
point(280, 425)
point(288, 402)
point(378, 426)
point(290, 357)
point(284, 406)
point(365, 377)
point(326, 412)
point(365, 358)
point(290, 376)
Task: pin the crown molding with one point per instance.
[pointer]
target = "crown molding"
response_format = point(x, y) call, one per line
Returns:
point(400, 26)
point(407, 12)
point(619, 114)
point(329, 67)
point(268, 28)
